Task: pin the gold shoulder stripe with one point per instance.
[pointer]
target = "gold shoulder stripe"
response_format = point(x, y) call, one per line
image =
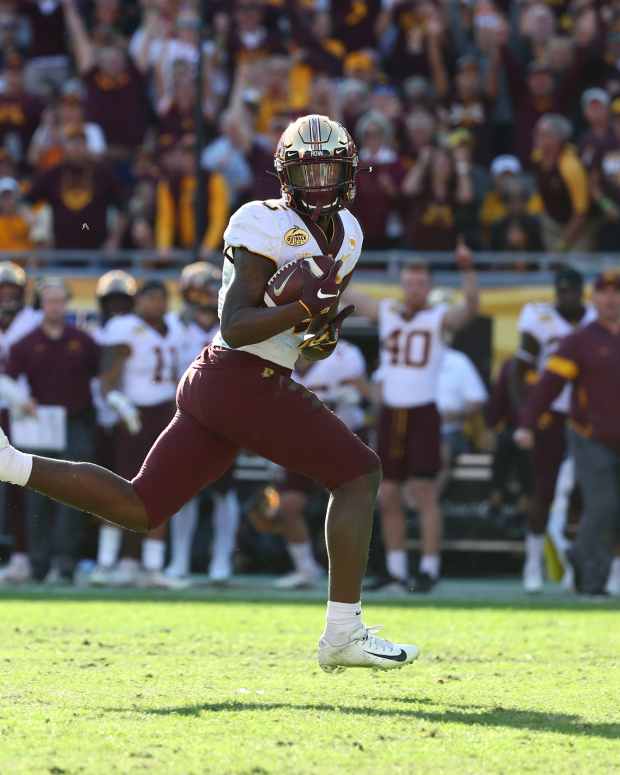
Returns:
point(563, 367)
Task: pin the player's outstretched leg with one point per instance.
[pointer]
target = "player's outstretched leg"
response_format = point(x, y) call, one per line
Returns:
point(346, 642)
point(84, 486)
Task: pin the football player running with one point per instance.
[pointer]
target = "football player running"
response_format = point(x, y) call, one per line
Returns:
point(239, 393)
point(197, 319)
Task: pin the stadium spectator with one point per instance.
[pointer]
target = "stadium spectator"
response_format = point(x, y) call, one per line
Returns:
point(420, 126)
point(46, 147)
point(436, 189)
point(605, 184)
point(19, 111)
point(58, 362)
point(175, 225)
point(595, 106)
point(115, 84)
point(519, 230)
point(84, 196)
point(21, 227)
point(505, 169)
point(588, 360)
point(227, 154)
point(48, 60)
point(563, 186)
point(378, 194)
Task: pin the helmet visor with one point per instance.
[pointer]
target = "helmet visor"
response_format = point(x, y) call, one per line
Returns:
point(323, 174)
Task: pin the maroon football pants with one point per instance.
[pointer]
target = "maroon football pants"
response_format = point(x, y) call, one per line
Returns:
point(230, 400)
point(548, 454)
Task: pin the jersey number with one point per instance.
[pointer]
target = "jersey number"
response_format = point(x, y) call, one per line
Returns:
point(410, 348)
point(160, 364)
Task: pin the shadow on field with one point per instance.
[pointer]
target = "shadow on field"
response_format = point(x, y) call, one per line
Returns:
point(470, 715)
point(242, 594)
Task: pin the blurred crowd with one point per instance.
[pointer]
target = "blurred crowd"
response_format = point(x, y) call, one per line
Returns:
point(492, 120)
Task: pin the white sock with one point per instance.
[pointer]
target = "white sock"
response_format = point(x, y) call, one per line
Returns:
point(226, 512)
point(153, 551)
point(614, 571)
point(397, 563)
point(534, 547)
point(15, 466)
point(182, 529)
point(341, 620)
point(302, 557)
point(19, 560)
point(109, 546)
point(430, 563)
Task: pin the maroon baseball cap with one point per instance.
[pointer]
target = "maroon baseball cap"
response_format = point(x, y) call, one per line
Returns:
point(608, 279)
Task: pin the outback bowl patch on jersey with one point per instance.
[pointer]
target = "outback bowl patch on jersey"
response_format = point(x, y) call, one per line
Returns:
point(296, 237)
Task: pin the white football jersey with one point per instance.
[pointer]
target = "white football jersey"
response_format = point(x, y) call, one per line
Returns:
point(26, 320)
point(151, 371)
point(194, 339)
point(459, 386)
point(542, 321)
point(411, 354)
point(274, 230)
point(326, 379)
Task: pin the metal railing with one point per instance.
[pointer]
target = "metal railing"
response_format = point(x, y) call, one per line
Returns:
point(496, 269)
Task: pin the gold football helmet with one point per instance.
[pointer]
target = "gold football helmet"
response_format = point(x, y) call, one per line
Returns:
point(12, 290)
point(115, 281)
point(316, 162)
point(200, 284)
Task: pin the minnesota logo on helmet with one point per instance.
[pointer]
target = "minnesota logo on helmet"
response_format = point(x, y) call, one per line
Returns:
point(116, 281)
point(200, 284)
point(316, 162)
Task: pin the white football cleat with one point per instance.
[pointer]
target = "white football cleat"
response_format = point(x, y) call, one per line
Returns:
point(101, 576)
point(613, 581)
point(298, 580)
point(220, 572)
point(155, 579)
point(532, 576)
point(568, 578)
point(17, 571)
point(365, 649)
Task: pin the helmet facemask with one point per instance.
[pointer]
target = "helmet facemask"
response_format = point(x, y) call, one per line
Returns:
point(316, 163)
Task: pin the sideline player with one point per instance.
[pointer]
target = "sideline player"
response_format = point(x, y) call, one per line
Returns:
point(334, 380)
point(412, 336)
point(200, 283)
point(239, 392)
point(138, 378)
point(115, 293)
point(542, 326)
point(17, 320)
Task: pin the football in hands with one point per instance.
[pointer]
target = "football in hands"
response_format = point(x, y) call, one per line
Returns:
point(286, 285)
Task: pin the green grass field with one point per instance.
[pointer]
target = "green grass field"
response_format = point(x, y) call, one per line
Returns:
point(206, 682)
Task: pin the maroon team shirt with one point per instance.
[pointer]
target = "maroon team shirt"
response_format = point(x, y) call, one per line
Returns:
point(78, 194)
point(47, 27)
point(589, 358)
point(119, 105)
point(58, 371)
